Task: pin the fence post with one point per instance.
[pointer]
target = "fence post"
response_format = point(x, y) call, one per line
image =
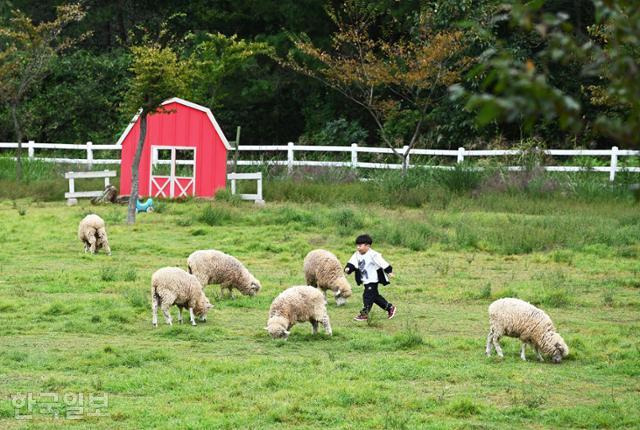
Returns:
point(237, 149)
point(405, 152)
point(614, 163)
point(460, 154)
point(354, 155)
point(259, 189)
point(90, 154)
point(290, 158)
point(233, 183)
point(30, 148)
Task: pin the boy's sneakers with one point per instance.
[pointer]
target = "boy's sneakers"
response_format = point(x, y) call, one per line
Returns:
point(391, 312)
point(361, 317)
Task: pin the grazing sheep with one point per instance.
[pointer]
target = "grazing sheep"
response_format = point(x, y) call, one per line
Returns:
point(92, 232)
point(517, 318)
point(323, 270)
point(174, 286)
point(215, 267)
point(297, 304)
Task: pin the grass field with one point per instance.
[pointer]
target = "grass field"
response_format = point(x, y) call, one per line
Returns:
point(72, 323)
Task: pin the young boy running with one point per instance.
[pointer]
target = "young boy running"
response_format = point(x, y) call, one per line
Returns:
point(371, 269)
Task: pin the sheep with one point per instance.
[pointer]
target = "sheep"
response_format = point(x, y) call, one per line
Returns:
point(517, 318)
point(297, 304)
point(215, 267)
point(92, 232)
point(174, 286)
point(323, 270)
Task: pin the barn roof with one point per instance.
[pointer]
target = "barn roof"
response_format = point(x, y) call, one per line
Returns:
point(206, 110)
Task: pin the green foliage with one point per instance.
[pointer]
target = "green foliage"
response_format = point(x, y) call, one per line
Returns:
point(340, 132)
point(215, 215)
point(158, 75)
point(579, 78)
point(215, 57)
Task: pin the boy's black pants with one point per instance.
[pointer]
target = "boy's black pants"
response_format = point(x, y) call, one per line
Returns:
point(371, 296)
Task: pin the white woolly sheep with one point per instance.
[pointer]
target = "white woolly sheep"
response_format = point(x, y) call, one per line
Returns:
point(323, 270)
point(92, 232)
point(173, 286)
point(297, 304)
point(215, 267)
point(517, 318)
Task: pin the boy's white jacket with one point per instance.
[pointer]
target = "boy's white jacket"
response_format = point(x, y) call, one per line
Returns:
point(384, 267)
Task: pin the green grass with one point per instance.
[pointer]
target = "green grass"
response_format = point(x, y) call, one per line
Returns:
point(78, 323)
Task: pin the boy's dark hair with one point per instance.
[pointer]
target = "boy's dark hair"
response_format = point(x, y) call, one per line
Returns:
point(364, 238)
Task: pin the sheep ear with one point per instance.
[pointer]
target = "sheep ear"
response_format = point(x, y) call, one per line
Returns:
point(338, 294)
point(266, 328)
point(287, 332)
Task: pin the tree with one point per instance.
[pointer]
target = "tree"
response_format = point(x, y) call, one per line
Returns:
point(397, 78)
point(214, 58)
point(158, 74)
point(25, 58)
point(607, 59)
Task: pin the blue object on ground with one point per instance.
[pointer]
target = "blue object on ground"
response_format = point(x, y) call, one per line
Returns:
point(146, 206)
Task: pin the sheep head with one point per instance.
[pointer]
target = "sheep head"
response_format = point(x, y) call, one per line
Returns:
point(277, 327)
point(254, 286)
point(560, 348)
point(344, 291)
point(202, 306)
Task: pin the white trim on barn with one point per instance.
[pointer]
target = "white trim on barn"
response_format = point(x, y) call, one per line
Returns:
point(206, 110)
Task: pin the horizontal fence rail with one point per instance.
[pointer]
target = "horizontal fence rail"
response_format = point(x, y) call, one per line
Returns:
point(353, 150)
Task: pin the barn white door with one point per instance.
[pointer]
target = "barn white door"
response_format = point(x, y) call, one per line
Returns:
point(173, 171)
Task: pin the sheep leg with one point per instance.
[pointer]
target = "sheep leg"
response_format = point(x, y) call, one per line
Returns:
point(86, 246)
point(539, 355)
point(104, 244)
point(326, 324)
point(495, 339)
point(179, 315)
point(314, 326)
point(92, 243)
point(324, 292)
point(488, 347)
point(165, 311)
point(192, 317)
point(522, 353)
point(154, 310)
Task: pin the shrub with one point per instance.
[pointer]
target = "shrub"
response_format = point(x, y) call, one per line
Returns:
point(215, 215)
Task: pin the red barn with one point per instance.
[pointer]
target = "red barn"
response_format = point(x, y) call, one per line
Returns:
point(184, 154)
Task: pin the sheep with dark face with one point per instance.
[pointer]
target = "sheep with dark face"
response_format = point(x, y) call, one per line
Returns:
point(517, 318)
point(214, 267)
point(173, 286)
point(323, 270)
point(297, 304)
point(92, 232)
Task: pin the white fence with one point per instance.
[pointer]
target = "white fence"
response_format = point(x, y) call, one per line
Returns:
point(291, 149)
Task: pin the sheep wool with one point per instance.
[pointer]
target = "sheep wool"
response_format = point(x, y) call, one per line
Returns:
point(323, 270)
point(173, 286)
point(92, 232)
point(297, 304)
point(214, 267)
point(517, 318)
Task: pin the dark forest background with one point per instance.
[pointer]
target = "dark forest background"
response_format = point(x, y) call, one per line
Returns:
point(80, 98)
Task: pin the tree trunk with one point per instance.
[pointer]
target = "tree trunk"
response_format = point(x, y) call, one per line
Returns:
point(133, 198)
point(18, 131)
